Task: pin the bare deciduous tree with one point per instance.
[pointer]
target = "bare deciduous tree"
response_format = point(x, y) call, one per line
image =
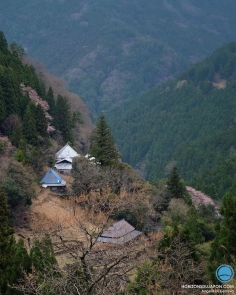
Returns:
point(169, 271)
point(87, 266)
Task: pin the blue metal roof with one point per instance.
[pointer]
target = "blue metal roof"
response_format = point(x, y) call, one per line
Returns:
point(51, 177)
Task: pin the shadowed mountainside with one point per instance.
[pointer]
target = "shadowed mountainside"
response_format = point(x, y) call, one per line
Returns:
point(108, 51)
point(188, 121)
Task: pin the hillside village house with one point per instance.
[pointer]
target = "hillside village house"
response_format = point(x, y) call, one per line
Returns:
point(52, 179)
point(64, 159)
point(120, 232)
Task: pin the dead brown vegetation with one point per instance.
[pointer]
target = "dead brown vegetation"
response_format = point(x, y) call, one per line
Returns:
point(74, 225)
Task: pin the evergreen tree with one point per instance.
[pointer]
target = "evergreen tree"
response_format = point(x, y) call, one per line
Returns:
point(21, 261)
point(102, 144)
point(10, 90)
point(6, 242)
point(223, 248)
point(29, 125)
point(42, 253)
point(193, 226)
point(18, 49)
point(41, 121)
point(64, 119)
point(3, 43)
point(2, 109)
point(51, 102)
point(176, 185)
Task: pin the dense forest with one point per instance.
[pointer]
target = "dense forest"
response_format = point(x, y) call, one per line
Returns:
point(33, 122)
point(57, 250)
point(188, 121)
point(112, 50)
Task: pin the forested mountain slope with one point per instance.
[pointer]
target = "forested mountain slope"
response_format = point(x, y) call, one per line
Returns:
point(108, 51)
point(31, 113)
point(189, 121)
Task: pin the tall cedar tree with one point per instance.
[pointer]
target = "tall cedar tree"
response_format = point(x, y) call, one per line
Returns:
point(41, 121)
point(29, 124)
point(102, 144)
point(6, 242)
point(223, 248)
point(64, 119)
point(175, 184)
point(51, 102)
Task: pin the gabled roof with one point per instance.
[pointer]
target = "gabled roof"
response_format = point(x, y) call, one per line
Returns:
point(63, 166)
point(122, 240)
point(118, 229)
point(65, 160)
point(51, 178)
point(119, 233)
point(66, 152)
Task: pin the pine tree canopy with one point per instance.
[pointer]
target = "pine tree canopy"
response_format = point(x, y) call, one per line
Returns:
point(102, 144)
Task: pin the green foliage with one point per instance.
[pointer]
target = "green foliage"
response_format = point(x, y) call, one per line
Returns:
point(3, 43)
point(175, 185)
point(136, 215)
point(173, 267)
point(89, 176)
point(177, 209)
point(146, 278)
point(161, 199)
point(20, 157)
point(3, 146)
point(29, 124)
point(132, 51)
point(42, 254)
point(20, 118)
point(18, 49)
point(14, 258)
point(77, 118)
point(41, 121)
point(14, 105)
point(103, 146)
point(51, 102)
point(181, 122)
point(21, 262)
point(6, 241)
point(193, 228)
point(64, 119)
point(188, 222)
point(13, 255)
point(2, 110)
point(18, 184)
point(223, 247)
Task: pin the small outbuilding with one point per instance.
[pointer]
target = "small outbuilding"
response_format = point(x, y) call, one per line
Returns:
point(52, 179)
point(120, 232)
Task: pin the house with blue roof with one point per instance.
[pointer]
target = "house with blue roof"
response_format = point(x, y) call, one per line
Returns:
point(52, 179)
